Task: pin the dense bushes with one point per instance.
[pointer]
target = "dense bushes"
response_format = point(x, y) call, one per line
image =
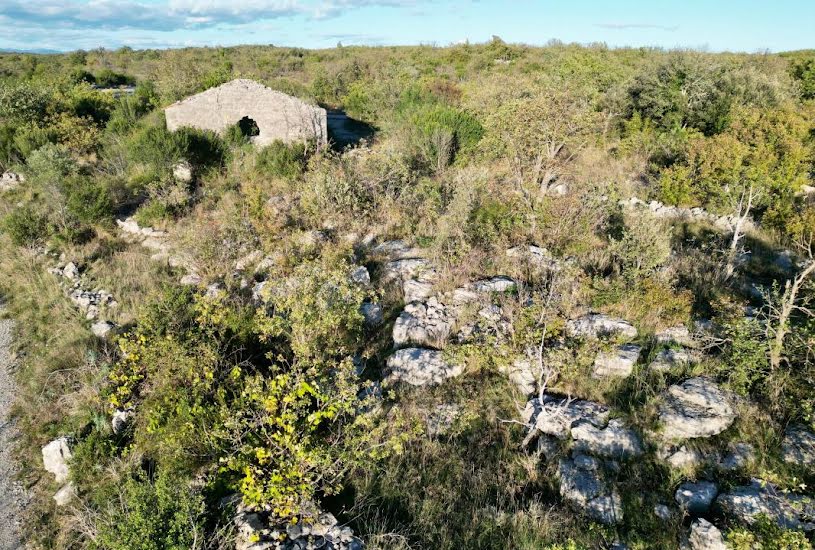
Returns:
point(282, 160)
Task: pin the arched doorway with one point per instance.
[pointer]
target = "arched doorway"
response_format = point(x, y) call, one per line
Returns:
point(249, 128)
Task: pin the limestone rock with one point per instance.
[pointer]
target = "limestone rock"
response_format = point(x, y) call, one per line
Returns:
point(557, 416)
point(120, 420)
point(667, 359)
point(372, 313)
point(9, 180)
point(396, 250)
point(618, 362)
point(417, 290)
point(749, 502)
point(676, 335)
point(739, 455)
point(494, 284)
point(696, 498)
point(523, 373)
point(406, 268)
point(662, 512)
point(596, 325)
point(536, 257)
point(423, 324)
point(705, 536)
point(582, 486)
point(361, 276)
point(798, 447)
point(65, 495)
point(695, 408)
point(190, 279)
point(182, 172)
point(418, 367)
point(55, 457)
point(102, 329)
point(684, 458)
point(614, 441)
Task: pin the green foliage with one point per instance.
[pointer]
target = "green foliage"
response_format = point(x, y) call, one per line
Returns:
point(745, 355)
point(107, 78)
point(644, 245)
point(442, 133)
point(50, 164)
point(803, 70)
point(282, 160)
point(163, 514)
point(767, 535)
point(88, 199)
point(23, 103)
point(25, 226)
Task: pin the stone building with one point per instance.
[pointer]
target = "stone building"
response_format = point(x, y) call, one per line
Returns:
point(264, 114)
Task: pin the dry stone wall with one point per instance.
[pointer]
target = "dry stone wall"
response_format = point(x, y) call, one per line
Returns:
point(277, 115)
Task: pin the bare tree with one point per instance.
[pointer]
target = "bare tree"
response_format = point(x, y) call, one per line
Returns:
point(745, 204)
point(790, 300)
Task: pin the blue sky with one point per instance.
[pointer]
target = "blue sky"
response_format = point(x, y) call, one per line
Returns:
point(715, 25)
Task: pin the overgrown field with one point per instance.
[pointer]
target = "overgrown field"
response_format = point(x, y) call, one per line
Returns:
point(495, 193)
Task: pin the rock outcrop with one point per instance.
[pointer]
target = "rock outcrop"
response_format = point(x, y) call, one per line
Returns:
point(695, 408)
point(596, 325)
point(798, 447)
point(748, 503)
point(55, 457)
point(419, 367)
point(696, 498)
point(705, 536)
point(582, 485)
point(619, 362)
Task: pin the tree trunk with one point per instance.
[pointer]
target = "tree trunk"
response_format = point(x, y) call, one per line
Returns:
point(787, 306)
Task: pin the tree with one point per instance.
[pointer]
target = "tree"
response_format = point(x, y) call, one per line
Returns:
point(802, 234)
point(541, 134)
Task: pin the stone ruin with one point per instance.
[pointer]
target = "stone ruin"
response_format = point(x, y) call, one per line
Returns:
point(266, 115)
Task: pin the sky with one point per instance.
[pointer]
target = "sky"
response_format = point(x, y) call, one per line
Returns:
point(713, 25)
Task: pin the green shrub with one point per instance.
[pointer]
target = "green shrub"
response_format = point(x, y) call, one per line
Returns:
point(442, 133)
point(24, 103)
point(25, 226)
point(50, 164)
point(282, 160)
point(88, 199)
point(164, 514)
point(110, 79)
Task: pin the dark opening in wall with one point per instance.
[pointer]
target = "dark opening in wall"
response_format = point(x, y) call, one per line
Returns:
point(249, 127)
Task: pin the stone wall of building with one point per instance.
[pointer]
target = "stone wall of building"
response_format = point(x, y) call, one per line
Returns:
point(277, 115)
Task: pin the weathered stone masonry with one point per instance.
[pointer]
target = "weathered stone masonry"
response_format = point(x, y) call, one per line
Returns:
point(278, 116)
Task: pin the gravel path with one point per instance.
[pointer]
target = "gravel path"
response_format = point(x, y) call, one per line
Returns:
point(13, 496)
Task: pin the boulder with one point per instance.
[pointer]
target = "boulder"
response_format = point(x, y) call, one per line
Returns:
point(536, 257)
point(705, 536)
point(182, 172)
point(406, 268)
point(120, 420)
point(418, 367)
point(798, 447)
point(102, 329)
point(618, 362)
point(417, 290)
point(9, 180)
point(65, 495)
point(695, 408)
point(190, 279)
point(684, 458)
point(523, 373)
point(749, 503)
point(70, 271)
point(739, 455)
point(582, 486)
point(55, 457)
point(372, 313)
point(360, 276)
point(494, 284)
point(596, 325)
point(696, 498)
point(662, 512)
point(676, 335)
point(423, 324)
point(615, 441)
point(667, 359)
point(557, 416)
point(396, 250)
